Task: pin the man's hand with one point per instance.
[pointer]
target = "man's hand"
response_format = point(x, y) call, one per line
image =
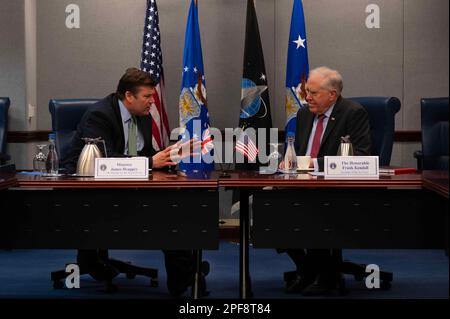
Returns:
point(180, 151)
point(173, 154)
point(162, 159)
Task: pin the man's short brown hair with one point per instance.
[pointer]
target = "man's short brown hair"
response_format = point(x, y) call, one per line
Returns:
point(132, 80)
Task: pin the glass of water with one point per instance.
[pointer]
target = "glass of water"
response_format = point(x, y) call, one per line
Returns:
point(39, 159)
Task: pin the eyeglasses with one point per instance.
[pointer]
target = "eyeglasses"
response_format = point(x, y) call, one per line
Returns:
point(313, 93)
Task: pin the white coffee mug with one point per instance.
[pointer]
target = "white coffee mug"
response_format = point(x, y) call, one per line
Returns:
point(303, 162)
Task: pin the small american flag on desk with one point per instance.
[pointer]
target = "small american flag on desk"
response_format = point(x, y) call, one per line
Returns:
point(151, 62)
point(246, 147)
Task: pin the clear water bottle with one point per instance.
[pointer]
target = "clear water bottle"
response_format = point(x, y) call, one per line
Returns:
point(52, 162)
point(290, 158)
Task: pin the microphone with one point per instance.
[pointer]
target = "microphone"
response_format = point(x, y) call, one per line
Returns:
point(224, 173)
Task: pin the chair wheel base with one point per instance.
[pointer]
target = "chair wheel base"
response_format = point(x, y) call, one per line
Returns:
point(119, 267)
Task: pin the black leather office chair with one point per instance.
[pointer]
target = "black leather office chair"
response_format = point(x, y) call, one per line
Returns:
point(381, 112)
point(66, 114)
point(434, 122)
point(4, 106)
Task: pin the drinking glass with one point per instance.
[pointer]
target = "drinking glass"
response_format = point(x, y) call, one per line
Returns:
point(39, 159)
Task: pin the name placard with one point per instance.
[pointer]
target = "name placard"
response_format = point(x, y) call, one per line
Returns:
point(357, 167)
point(121, 168)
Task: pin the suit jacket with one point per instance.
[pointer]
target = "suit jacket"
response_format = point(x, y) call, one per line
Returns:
point(103, 120)
point(347, 118)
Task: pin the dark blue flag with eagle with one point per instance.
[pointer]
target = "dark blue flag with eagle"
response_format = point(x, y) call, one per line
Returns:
point(194, 116)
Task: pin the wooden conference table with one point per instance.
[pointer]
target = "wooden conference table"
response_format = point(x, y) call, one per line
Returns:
point(436, 181)
point(164, 212)
point(168, 211)
point(7, 180)
point(303, 211)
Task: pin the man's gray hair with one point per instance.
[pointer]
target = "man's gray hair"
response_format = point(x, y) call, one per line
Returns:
point(333, 79)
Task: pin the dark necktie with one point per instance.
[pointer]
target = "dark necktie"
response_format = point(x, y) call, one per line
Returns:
point(316, 140)
point(132, 140)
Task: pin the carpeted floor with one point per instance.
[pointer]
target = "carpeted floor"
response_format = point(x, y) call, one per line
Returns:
point(418, 274)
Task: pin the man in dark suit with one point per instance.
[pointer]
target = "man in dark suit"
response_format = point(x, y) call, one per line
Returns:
point(123, 121)
point(320, 127)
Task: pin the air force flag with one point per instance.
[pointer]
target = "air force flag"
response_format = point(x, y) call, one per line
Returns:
point(194, 116)
point(297, 67)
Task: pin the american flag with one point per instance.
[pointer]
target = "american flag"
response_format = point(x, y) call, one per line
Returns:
point(207, 142)
point(151, 62)
point(246, 147)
